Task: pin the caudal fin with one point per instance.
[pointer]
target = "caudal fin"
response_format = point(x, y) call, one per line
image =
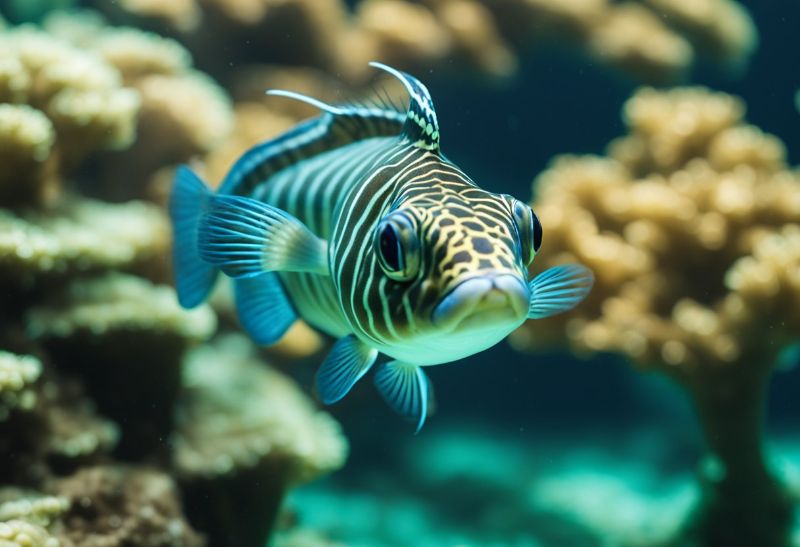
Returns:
point(194, 278)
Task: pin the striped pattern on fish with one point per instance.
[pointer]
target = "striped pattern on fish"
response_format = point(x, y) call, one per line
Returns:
point(355, 222)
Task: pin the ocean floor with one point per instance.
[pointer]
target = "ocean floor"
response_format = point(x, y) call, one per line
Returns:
point(470, 488)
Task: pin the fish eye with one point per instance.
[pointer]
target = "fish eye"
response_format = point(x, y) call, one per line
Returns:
point(529, 230)
point(397, 247)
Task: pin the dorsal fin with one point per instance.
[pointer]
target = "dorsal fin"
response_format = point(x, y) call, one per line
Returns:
point(337, 126)
point(421, 127)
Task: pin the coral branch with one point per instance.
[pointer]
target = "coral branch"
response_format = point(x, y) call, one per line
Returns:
point(691, 227)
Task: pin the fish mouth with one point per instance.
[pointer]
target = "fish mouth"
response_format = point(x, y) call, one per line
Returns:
point(485, 302)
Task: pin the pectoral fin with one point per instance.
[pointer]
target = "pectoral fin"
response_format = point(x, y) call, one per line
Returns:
point(406, 389)
point(347, 362)
point(245, 237)
point(559, 289)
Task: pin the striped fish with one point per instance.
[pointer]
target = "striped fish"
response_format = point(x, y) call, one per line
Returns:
point(355, 222)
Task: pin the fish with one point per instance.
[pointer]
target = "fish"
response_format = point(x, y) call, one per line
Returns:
point(355, 222)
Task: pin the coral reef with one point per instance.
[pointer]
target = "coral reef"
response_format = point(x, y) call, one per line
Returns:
point(243, 430)
point(691, 228)
point(80, 235)
point(183, 112)
point(654, 40)
point(118, 505)
point(28, 518)
point(99, 404)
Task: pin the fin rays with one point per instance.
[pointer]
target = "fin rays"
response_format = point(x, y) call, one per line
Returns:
point(559, 289)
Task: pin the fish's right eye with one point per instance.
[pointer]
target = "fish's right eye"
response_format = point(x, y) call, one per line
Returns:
point(390, 250)
point(529, 229)
point(397, 247)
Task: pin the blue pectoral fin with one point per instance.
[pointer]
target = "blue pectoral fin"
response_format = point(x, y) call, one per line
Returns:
point(347, 362)
point(189, 200)
point(559, 289)
point(406, 389)
point(245, 237)
point(263, 307)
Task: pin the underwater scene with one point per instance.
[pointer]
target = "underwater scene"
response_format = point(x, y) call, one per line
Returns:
point(237, 235)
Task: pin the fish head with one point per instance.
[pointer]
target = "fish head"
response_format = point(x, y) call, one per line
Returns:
point(456, 267)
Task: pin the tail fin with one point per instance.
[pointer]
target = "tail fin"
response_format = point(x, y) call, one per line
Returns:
point(194, 278)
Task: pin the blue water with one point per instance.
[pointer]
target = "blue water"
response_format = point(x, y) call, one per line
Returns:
point(505, 421)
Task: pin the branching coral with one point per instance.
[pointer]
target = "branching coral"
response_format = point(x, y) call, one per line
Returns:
point(246, 433)
point(691, 227)
point(656, 40)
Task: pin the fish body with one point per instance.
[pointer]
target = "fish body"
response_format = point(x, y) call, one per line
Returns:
point(357, 223)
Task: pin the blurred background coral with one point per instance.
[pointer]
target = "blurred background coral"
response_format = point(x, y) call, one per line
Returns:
point(656, 139)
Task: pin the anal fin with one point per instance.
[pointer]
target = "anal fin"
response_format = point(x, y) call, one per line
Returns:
point(406, 389)
point(263, 307)
point(347, 362)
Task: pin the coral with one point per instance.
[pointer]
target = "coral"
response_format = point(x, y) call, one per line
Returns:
point(125, 336)
point(80, 235)
point(17, 375)
point(18, 533)
point(691, 229)
point(245, 433)
point(185, 15)
point(183, 111)
point(26, 142)
point(114, 506)
point(82, 96)
point(654, 40)
point(119, 303)
point(93, 346)
point(48, 422)
point(27, 518)
point(35, 508)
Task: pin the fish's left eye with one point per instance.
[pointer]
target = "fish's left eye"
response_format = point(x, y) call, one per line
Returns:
point(397, 247)
point(529, 229)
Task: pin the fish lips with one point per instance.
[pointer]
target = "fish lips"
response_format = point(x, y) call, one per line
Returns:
point(484, 302)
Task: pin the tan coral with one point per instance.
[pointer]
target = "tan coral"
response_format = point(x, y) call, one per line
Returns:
point(26, 142)
point(115, 505)
point(184, 15)
point(35, 508)
point(247, 433)
point(19, 533)
point(634, 39)
point(74, 430)
point(80, 235)
point(82, 96)
point(119, 302)
point(18, 373)
point(125, 336)
point(183, 111)
point(53, 421)
point(720, 28)
point(243, 414)
point(691, 230)
point(27, 518)
point(655, 41)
